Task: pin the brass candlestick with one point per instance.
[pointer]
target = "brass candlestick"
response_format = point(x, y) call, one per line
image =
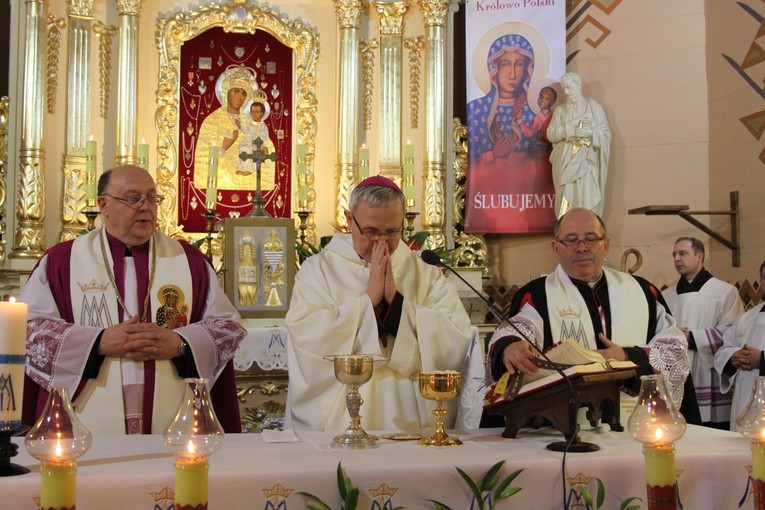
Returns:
point(210, 215)
point(303, 215)
point(91, 215)
point(409, 229)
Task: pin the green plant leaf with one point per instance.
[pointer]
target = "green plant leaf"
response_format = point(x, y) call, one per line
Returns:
point(439, 506)
point(503, 485)
point(352, 499)
point(341, 482)
point(601, 492)
point(626, 504)
point(585, 495)
point(320, 505)
point(506, 493)
point(473, 488)
point(491, 477)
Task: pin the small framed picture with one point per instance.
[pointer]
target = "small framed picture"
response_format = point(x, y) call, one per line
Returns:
point(260, 265)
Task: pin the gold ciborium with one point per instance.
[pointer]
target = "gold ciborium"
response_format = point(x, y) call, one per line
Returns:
point(353, 370)
point(440, 386)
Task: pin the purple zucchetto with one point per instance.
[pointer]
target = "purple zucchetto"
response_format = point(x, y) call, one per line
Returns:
point(379, 180)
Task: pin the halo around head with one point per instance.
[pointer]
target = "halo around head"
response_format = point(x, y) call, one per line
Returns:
point(259, 96)
point(235, 77)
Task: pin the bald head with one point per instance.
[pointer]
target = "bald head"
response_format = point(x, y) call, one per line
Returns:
point(133, 224)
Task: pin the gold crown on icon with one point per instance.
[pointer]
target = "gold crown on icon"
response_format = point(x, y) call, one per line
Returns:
point(259, 96)
point(93, 286)
point(238, 77)
point(277, 490)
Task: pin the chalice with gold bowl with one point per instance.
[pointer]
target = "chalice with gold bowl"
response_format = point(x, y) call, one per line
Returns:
point(353, 370)
point(440, 385)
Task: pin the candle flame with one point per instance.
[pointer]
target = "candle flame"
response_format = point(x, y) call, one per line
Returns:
point(190, 447)
point(59, 450)
point(11, 299)
point(363, 146)
point(659, 434)
point(408, 141)
point(90, 138)
point(143, 141)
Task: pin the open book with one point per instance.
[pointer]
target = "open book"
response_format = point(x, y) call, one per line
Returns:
point(579, 359)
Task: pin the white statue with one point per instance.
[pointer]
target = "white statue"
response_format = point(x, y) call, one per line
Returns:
point(581, 142)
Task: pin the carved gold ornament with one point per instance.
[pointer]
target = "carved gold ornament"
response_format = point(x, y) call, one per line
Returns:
point(238, 17)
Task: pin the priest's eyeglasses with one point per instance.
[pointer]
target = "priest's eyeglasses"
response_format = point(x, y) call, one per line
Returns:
point(135, 201)
point(373, 234)
point(573, 241)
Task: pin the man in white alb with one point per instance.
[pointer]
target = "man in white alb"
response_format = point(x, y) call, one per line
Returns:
point(704, 308)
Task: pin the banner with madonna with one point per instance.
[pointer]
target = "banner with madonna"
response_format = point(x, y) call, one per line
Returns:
point(234, 89)
point(515, 53)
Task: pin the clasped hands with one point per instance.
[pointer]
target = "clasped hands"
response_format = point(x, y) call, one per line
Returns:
point(519, 355)
point(139, 341)
point(746, 358)
point(380, 284)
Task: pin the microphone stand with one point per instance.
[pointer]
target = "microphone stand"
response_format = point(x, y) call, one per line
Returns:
point(572, 443)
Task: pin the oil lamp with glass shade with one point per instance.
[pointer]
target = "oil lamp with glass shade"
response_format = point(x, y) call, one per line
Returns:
point(194, 434)
point(657, 424)
point(58, 439)
point(751, 424)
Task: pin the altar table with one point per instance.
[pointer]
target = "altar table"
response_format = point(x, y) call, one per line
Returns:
point(136, 472)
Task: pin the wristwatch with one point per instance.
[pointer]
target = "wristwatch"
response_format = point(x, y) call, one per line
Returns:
point(183, 348)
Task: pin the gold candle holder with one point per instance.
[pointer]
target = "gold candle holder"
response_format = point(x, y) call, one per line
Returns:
point(210, 216)
point(409, 229)
point(303, 215)
point(91, 215)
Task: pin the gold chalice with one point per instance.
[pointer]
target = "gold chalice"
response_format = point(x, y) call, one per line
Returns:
point(440, 386)
point(353, 370)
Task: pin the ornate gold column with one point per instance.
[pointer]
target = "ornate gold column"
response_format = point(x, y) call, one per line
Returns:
point(5, 102)
point(391, 51)
point(434, 14)
point(127, 81)
point(77, 117)
point(29, 240)
point(348, 13)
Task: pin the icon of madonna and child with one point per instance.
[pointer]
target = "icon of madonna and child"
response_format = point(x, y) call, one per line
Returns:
point(234, 128)
point(508, 150)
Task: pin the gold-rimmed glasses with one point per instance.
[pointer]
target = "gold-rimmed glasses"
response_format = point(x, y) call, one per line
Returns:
point(135, 201)
point(374, 234)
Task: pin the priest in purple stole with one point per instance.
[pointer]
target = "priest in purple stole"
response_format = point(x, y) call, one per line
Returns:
point(123, 314)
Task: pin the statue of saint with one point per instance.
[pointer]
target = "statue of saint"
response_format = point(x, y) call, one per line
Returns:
point(581, 142)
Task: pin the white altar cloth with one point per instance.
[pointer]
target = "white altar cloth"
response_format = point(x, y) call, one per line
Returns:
point(136, 472)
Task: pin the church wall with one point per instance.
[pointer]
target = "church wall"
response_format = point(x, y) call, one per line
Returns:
point(649, 74)
point(736, 154)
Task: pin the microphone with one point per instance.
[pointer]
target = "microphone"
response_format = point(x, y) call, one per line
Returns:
point(572, 442)
point(431, 258)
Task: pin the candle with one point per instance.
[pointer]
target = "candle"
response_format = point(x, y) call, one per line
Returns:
point(143, 154)
point(91, 186)
point(212, 179)
point(758, 461)
point(190, 483)
point(409, 173)
point(363, 162)
point(302, 174)
point(659, 465)
point(13, 324)
point(58, 485)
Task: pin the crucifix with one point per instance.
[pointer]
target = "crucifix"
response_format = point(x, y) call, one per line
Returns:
point(259, 157)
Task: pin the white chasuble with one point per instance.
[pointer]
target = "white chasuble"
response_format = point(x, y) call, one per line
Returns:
point(102, 403)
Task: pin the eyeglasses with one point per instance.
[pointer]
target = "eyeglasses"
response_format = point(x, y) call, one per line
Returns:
point(572, 241)
point(135, 201)
point(374, 235)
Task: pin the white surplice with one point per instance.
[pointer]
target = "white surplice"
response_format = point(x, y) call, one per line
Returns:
point(330, 313)
point(707, 314)
point(748, 329)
